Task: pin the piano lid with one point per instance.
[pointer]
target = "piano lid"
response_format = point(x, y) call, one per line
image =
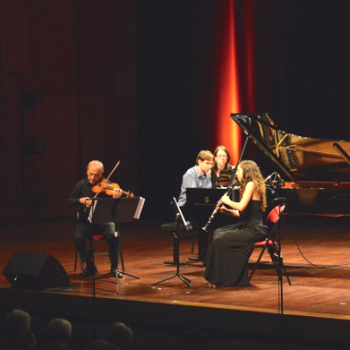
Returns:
point(302, 159)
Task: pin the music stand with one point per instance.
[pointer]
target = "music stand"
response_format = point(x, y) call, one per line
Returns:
point(179, 214)
point(115, 210)
point(180, 225)
point(104, 210)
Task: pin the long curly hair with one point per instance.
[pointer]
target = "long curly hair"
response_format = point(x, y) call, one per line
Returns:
point(251, 172)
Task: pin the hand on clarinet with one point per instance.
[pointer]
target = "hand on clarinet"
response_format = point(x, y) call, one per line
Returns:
point(218, 204)
point(225, 199)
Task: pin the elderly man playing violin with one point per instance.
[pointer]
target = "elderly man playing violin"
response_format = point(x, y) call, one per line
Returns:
point(81, 198)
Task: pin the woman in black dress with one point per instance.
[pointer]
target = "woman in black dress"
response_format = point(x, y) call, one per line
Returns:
point(227, 261)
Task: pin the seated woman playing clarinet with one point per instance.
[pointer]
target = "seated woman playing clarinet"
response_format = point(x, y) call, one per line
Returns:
point(227, 260)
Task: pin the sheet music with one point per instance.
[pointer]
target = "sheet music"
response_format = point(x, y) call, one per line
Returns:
point(91, 211)
point(139, 208)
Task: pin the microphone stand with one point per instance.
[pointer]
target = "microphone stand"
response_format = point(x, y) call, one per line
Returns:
point(280, 280)
point(229, 187)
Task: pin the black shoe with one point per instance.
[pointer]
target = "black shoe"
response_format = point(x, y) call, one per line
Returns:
point(114, 271)
point(88, 272)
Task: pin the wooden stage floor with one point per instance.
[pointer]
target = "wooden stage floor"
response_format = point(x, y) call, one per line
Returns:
point(312, 313)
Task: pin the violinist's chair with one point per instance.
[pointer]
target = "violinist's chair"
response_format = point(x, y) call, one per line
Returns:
point(181, 225)
point(96, 239)
point(106, 212)
point(273, 221)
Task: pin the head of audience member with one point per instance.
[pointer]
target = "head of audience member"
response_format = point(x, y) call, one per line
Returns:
point(59, 329)
point(222, 158)
point(54, 345)
point(101, 344)
point(120, 334)
point(194, 339)
point(205, 161)
point(17, 330)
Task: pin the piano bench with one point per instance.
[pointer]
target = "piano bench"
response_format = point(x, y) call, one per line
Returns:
point(176, 229)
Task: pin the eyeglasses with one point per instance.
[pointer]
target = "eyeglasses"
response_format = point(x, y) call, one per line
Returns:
point(207, 162)
point(221, 155)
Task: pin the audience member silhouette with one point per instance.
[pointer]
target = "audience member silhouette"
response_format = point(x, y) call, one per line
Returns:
point(17, 331)
point(54, 345)
point(101, 345)
point(58, 329)
point(120, 334)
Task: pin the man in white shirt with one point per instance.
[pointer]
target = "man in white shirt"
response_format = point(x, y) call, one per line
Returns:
point(198, 176)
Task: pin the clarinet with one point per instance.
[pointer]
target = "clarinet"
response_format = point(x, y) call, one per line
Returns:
point(217, 208)
point(229, 187)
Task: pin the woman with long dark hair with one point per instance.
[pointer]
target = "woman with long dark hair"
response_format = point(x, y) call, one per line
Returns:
point(222, 170)
point(227, 261)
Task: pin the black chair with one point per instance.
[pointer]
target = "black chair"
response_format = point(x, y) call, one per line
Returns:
point(96, 239)
point(271, 244)
point(107, 210)
point(180, 225)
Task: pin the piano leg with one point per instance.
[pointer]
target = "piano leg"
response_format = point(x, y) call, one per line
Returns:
point(202, 246)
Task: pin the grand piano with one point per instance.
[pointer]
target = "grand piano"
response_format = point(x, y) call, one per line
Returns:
point(315, 173)
point(314, 179)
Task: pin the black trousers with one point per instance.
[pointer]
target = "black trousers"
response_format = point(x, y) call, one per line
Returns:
point(84, 232)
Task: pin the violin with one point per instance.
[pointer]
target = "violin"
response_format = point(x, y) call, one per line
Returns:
point(109, 187)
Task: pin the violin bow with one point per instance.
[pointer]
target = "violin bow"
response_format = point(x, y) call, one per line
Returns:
point(113, 170)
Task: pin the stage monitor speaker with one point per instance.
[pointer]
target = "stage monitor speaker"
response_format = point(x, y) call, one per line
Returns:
point(35, 271)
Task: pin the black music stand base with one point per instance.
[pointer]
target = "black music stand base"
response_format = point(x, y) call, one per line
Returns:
point(91, 256)
point(176, 261)
point(125, 210)
point(175, 228)
point(177, 274)
point(117, 272)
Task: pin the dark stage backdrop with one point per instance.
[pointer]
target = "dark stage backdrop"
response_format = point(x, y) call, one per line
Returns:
point(138, 81)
